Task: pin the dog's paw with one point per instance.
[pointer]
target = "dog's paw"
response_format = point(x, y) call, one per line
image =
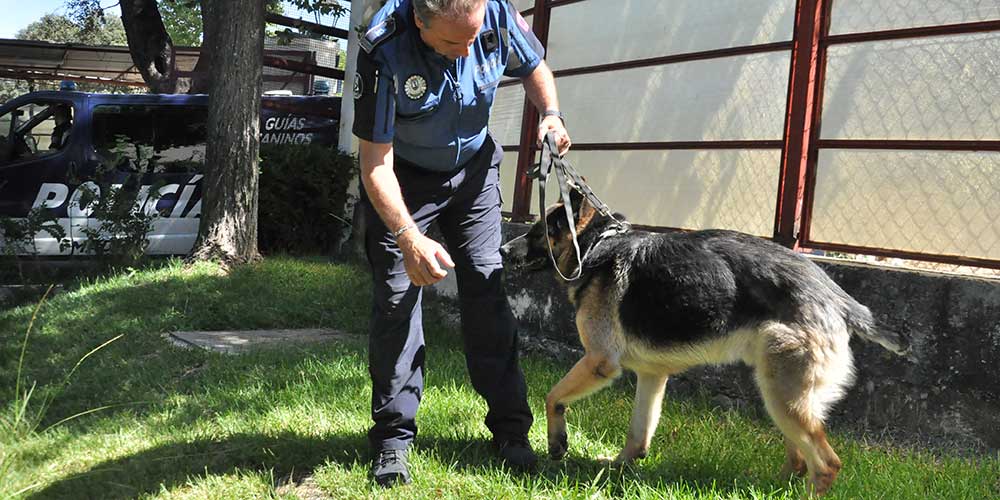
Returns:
point(616, 461)
point(558, 446)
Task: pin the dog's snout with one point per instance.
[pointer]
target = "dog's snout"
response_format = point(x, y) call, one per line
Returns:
point(513, 251)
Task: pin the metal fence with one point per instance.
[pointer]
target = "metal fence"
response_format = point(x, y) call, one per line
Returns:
point(861, 126)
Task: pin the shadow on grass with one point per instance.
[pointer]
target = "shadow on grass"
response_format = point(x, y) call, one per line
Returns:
point(166, 467)
point(141, 367)
point(170, 466)
point(581, 472)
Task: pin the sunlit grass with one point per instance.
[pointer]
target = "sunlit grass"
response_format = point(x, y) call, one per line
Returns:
point(194, 424)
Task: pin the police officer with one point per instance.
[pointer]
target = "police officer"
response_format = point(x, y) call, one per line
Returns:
point(426, 78)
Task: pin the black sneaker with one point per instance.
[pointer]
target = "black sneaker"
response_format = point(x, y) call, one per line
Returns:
point(390, 468)
point(516, 453)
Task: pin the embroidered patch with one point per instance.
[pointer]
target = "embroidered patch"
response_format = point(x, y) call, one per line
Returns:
point(521, 22)
point(378, 34)
point(359, 86)
point(415, 87)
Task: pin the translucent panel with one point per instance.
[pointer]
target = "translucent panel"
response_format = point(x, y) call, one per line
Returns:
point(523, 5)
point(731, 189)
point(928, 88)
point(605, 31)
point(852, 16)
point(721, 99)
point(508, 176)
point(922, 201)
point(505, 119)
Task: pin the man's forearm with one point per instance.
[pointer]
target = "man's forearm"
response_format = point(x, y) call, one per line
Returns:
point(380, 183)
point(540, 86)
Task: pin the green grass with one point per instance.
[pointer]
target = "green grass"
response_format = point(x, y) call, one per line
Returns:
point(193, 424)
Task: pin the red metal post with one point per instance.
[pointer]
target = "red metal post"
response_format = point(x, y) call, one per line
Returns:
point(799, 121)
point(529, 126)
point(818, 86)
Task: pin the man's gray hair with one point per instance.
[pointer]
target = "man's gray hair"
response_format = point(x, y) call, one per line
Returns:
point(427, 10)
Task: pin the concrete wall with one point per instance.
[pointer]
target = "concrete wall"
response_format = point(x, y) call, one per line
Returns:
point(945, 394)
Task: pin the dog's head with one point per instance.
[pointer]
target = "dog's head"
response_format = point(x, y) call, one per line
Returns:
point(531, 250)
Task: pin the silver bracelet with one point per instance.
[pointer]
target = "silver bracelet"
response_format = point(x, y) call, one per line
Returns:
point(399, 232)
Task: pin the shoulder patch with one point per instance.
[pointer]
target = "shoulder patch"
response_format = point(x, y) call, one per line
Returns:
point(521, 22)
point(378, 34)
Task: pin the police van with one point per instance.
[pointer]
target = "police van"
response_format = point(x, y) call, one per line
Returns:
point(50, 140)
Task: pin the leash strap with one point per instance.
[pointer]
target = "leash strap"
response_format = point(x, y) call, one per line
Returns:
point(567, 176)
point(545, 167)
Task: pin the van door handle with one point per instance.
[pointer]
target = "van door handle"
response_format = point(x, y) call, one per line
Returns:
point(71, 174)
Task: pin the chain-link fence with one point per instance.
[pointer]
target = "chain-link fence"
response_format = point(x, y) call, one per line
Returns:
point(906, 157)
point(681, 114)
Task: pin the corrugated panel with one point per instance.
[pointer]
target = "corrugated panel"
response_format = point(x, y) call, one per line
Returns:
point(856, 16)
point(919, 201)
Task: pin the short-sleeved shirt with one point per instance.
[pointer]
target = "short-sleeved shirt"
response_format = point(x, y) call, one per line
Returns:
point(433, 110)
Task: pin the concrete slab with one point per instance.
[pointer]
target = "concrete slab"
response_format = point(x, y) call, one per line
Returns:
point(238, 341)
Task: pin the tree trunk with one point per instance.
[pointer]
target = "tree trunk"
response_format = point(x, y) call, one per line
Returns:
point(228, 231)
point(151, 47)
point(201, 80)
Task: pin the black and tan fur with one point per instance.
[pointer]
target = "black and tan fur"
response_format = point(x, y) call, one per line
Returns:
point(660, 303)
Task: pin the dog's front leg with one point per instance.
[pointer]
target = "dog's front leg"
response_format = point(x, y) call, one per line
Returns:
point(646, 409)
point(589, 375)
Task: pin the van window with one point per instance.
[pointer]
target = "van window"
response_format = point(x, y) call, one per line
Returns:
point(151, 138)
point(34, 130)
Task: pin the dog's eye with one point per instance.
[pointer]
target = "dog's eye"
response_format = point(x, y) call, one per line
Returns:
point(553, 230)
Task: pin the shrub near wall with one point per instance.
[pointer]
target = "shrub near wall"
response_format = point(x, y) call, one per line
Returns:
point(303, 192)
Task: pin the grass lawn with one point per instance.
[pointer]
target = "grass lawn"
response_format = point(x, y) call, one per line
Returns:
point(191, 424)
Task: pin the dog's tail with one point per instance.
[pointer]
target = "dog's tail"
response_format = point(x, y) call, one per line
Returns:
point(860, 322)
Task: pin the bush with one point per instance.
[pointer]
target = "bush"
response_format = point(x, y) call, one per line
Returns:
point(303, 193)
point(122, 233)
point(18, 237)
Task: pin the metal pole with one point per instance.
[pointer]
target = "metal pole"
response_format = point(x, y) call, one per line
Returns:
point(529, 126)
point(799, 120)
point(359, 9)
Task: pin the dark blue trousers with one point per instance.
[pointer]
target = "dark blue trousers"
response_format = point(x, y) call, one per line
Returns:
point(466, 206)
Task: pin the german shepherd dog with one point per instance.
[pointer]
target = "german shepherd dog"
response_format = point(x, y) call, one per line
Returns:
point(660, 303)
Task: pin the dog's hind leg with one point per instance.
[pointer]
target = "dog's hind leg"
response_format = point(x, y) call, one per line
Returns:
point(591, 374)
point(798, 380)
point(646, 409)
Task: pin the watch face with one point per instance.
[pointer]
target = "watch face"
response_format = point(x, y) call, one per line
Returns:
point(415, 87)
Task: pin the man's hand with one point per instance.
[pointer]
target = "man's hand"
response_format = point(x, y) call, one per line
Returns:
point(555, 124)
point(421, 257)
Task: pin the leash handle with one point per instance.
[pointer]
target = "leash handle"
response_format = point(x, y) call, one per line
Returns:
point(560, 165)
point(550, 159)
point(565, 174)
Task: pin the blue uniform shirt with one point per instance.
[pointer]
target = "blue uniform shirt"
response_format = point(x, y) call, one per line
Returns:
point(435, 111)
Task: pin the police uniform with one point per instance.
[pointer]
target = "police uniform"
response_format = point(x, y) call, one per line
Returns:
point(435, 113)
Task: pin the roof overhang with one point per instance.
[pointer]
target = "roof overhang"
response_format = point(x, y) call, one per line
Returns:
point(35, 60)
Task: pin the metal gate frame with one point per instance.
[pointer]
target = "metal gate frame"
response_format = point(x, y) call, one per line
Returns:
point(801, 142)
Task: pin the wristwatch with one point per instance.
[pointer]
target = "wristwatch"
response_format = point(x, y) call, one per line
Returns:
point(554, 112)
